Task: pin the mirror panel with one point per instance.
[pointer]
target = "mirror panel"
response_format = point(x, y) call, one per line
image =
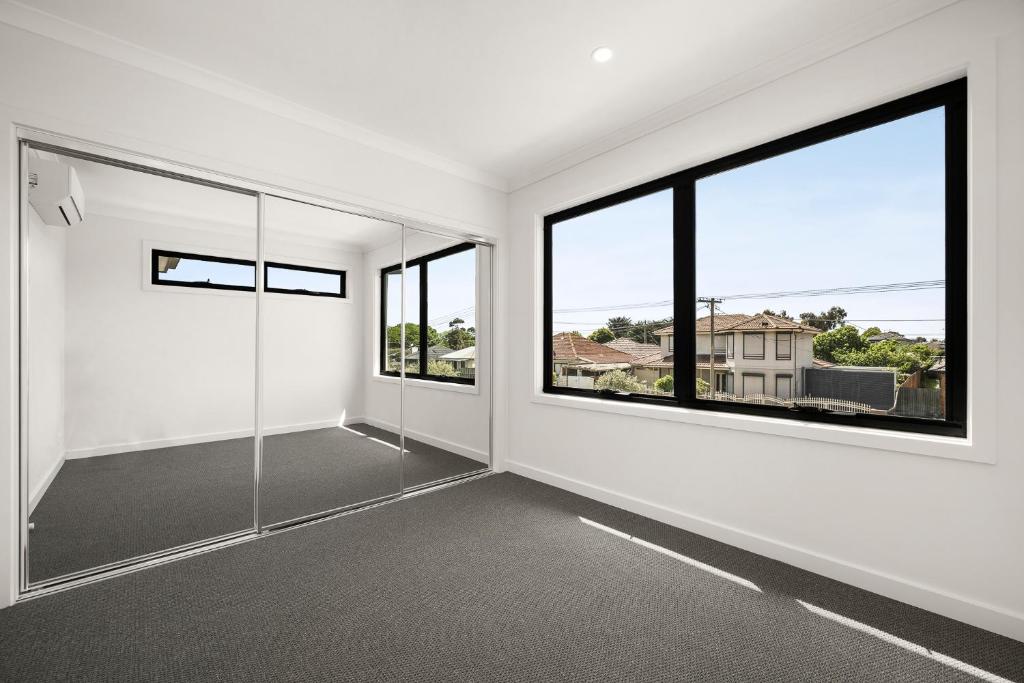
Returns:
point(319, 454)
point(447, 404)
point(138, 363)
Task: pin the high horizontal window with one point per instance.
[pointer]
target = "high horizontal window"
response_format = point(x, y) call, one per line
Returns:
point(821, 277)
point(440, 316)
point(181, 269)
point(291, 279)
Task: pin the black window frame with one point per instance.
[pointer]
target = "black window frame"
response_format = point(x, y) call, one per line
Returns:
point(423, 262)
point(789, 355)
point(952, 97)
point(154, 278)
point(764, 345)
point(267, 265)
point(155, 255)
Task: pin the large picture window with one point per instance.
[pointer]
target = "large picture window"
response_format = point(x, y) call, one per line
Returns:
point(831, 262)
point(440, 316)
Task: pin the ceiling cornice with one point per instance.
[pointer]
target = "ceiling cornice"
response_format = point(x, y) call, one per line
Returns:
point(85, 38)
point(881, 22)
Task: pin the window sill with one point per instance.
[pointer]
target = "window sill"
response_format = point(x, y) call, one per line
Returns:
point(901, 442)
point(427, 384)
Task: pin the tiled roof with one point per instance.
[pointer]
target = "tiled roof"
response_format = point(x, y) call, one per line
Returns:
point(659, 361)
point(432, 352)
point(939, 365)
point(571, 348)
point(741, 322)
point(633, 347)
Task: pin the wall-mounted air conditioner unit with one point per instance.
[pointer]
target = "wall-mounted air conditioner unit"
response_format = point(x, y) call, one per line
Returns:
point(55, 193)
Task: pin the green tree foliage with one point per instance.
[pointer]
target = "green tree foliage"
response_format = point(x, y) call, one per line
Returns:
point(456, 337)
point(438, 368)
point(601, 335)
point(620, 325)
point(666, 384)
point(780, 314)
point(703, 387)
point(840, 340)
point(412, 336)
point(617, 380)
point(870, 332)
point(907, 358)
point(826, 320)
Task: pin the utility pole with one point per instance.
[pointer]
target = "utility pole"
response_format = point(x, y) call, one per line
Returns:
point(711, 302)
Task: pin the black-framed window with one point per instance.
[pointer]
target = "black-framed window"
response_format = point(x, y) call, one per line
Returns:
point(857, 223)
point(202, 271)
point(205, 271)
point(440, 316)
point(783, 346)
point(753, 345)
point(288, 278)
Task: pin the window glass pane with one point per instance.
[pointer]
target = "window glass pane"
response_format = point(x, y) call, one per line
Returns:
point(393, 293)
point(172, 268)
point(840, 245)
point(305, 281)
point(451, 315)
point(611, 297)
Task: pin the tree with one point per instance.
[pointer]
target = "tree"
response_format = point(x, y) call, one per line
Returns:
point(457, 338)
point(643, 330)
point(840, 340)
point(412, 336)
point(601, 335)
point(617, 380)
point(666, 384)
point(620, 325)
point(827, 320)
point(780, 314)
point(703, 387)
point(870, 332)
point(906, 358)
point(438, 368)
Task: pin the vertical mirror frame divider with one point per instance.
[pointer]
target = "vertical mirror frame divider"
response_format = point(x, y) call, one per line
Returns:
point(36, 138)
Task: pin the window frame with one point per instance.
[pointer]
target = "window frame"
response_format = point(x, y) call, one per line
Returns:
point(786, 376)
point(422, 303)
point(789, 354)
point(154, 273)
point(952, 96)
point(267, 265)
point(764, 344)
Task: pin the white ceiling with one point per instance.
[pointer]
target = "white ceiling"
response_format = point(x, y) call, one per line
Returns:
point(506, 87)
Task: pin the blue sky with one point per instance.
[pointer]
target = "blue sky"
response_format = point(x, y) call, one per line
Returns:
point(452, 292)
point(864, 209)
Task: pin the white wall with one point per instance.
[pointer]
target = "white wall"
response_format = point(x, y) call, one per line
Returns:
point(451, 416)
point(906, 516)
point(49, 85)
point(46, 262)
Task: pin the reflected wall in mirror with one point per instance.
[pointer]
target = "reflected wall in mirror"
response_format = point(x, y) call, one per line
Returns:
point(138, 364)
point(447, 382)
point(319, 453)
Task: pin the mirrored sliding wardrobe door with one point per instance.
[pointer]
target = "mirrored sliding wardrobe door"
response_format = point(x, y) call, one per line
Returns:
point(447, 401)
point(138, 363)
point(321, 448)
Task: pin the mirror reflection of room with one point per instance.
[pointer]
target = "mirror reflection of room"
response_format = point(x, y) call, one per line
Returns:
point(140, 363)
point(446, 353)
point(319, 454)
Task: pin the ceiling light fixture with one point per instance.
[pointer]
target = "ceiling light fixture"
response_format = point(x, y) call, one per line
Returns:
point(602, 55)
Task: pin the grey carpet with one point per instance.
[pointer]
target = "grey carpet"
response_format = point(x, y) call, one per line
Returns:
point(104, 509)
point(492, 580)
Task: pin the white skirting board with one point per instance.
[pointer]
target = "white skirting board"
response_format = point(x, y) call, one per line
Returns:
point(35, 496)
point(466, 451)
point(113, 449)
point(982, 615)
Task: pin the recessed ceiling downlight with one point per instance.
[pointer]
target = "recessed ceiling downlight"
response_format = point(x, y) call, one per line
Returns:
point(602, 55)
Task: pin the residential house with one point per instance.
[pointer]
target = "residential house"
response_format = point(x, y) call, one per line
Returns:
point(888, 336)
point(633, 347)
point(753, 354)
point(463, 360)
point(578, 361)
